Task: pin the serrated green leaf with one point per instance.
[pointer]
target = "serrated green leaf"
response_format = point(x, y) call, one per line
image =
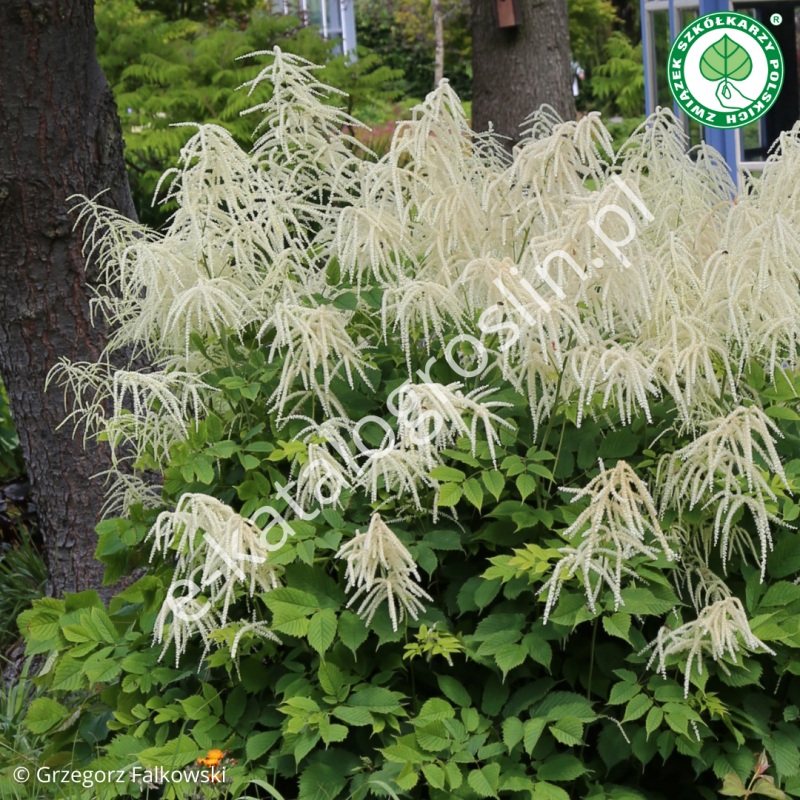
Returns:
point(732, 786)
point(486, 592)
point(353, 716)
point(539, 649)
point(541, 471)
point(637, 707)
point(434, 775)
point(346, 301)
point(196, 707)
point(766, 787)
point(68, 675)
point(622, 692)
point(326, 776)
point(44, 715)
point(533, 730)
point(449, 495)
point(780, 594)
point(454, 776)
point(433, 737)
point(331, 733)
point(454, 690)
point(510, 656)
point(102, 670)
point(176, 752)
point(434, 710)
point(473, 493)
point(546, 791)
point(403, 754)
point(331, 679)
point(618, 625)
point(378, 700)
point(484, 781)
point(781, 412)
point(352, 631)
point(525, 485)
point(260, 743)
point(322, 629)
point(513, 731)
point(561, 767)
point(494, 482)
point(203, 469)
point(447, 474)
point(568, 731)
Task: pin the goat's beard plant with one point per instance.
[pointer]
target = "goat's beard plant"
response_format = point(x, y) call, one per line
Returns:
point(624, 462)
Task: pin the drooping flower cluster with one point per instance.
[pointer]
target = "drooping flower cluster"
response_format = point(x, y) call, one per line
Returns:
point(720, 467)
point(620, 522)
point(379, 567)
point(215, 550)
point(721, 629)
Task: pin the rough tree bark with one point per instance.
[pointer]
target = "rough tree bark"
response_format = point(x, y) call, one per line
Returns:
point(516, 70)
point(438, 35)
point(59, 136)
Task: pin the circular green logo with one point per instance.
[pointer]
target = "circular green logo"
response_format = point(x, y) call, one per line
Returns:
point(725, 70)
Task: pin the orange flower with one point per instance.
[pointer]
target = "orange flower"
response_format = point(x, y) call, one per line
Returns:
point(213, 757)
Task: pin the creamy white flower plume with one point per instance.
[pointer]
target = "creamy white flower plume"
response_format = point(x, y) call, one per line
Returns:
point(380, 568)
point(719, 467)
point(720, 630)
point(217, 549)
point(620, 522)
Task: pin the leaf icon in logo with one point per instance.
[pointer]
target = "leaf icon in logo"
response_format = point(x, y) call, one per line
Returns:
point(727, 60)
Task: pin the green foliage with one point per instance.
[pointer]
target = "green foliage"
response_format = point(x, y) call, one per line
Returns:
point(10, 454)
point(430, 643)
point(590, 23)
point(610, 53)
point(401, 33)
point(619, 81)
point(23, 576)
point(760, 784)
point(523, 707)
point(21, 747)
point(199, 10)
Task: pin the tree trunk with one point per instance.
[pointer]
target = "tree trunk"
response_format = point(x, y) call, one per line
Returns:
point(438, 34)
point(516, 70)
point(59, 136)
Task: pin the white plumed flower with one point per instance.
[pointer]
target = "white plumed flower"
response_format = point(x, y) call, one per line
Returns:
point(720, 630)
point(311, 337)
point(720, 467)
point(402, 469)
point(380, 568)
point(424, 404)
point(620, 522)
point(216, 546)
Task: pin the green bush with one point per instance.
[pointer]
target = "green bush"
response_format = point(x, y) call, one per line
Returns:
point(10, 454)
point(402, 34)
point(556, 563)
point(619, 81)
point(21, 747)
point(23, 576)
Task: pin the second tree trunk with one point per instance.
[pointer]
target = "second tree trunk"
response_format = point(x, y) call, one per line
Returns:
point(516, 70)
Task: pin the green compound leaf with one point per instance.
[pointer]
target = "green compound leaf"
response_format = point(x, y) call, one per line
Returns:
point(727, 60)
